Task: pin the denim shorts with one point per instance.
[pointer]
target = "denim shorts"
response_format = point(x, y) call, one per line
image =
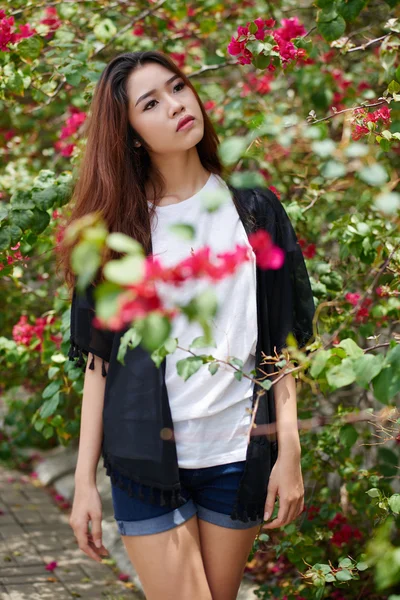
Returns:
point(210, 492)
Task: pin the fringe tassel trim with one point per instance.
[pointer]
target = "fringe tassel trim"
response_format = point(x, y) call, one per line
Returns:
point(155, 495)
point(76, 352)
point(247, 512)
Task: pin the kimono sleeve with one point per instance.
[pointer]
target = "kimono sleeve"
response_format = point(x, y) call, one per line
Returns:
point(291, 307)
point(84, 336)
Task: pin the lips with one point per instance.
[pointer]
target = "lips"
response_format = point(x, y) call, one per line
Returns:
point(184, 120)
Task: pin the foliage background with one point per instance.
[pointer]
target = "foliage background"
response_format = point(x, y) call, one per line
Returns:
point(284, 110)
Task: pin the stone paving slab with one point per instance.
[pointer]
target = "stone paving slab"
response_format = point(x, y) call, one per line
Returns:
point(35, 532)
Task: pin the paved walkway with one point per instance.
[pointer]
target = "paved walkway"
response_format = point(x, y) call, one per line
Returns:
point(34, 532)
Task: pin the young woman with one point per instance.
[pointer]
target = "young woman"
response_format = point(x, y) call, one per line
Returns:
point(189, 491)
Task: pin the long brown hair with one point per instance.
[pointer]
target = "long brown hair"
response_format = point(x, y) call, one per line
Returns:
point(112, 172)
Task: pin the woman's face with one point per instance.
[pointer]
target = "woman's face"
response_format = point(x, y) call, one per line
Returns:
point(155, 116)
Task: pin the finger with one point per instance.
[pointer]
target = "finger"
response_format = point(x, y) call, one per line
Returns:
point(81, 534)
point(270, 502)
point(100, 551)
point(96, 530)
point(280, 519)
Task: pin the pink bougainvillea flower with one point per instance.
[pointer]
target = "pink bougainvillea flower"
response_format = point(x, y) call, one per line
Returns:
point(353, 298)
point(51, 565)
point(123, 577)
point(268, 256)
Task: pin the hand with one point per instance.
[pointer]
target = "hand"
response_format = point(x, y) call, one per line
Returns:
point(87, 507)
point(286, 481)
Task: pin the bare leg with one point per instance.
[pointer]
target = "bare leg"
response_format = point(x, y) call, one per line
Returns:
point(170, 564)
point(225, 552)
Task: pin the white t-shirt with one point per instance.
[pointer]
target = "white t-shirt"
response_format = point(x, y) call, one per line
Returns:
point(210, 413)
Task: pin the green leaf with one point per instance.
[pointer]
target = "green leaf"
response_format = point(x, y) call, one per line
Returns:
point(323, 148)
point(212, 200)
point(5, 237)
point(85, 261)
point(231, 149)
point(319, 361)
point(333, 169)
point(374, 175)
point(352, 349)
point(50, 406)
point(344, 575)
point(266, 384)
point(40, 220)
point(237, 362)
point(350, 9)
point(105, 30)
point(183, 230)
point(3, 211)
point(387, 384)
point(154, 328)
point(367, 367)
point(202, 306)
point(332, 30)
point(394, 503)
point(107, 295)
point(45, 198)
point(167, 348)
point(48, 431)
point(388, 202)
point(186, 367)
point(15, 83)
point(202, 342)
point(213, 367)
point(126, 270)
point(373, 493)
point(51, 389)
point(362, 566)
point(30, 48)
point(130, 339)
point(21, 218)
point(348, 435)
point(345, 562)
point(253, 28)
point(393, 87)
point(120, 242)
point(238, 375)
point(261, 61)
point(341, 375)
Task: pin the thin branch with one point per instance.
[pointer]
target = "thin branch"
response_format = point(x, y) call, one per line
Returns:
point(338, 112)
point(363, 46)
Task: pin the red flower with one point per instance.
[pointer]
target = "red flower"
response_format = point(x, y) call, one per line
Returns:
point(353, 298)
point(51, 565)
point(268, 256)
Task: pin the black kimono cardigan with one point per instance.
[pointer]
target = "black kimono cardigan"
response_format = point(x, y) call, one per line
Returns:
point(136, 445)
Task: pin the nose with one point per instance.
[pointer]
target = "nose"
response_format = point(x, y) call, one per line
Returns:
point(176, 106)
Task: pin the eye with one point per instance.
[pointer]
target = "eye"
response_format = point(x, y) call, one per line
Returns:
point(151, 101)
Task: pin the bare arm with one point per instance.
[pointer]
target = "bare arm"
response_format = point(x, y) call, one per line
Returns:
point(91, 430)
point(286, 417)
point(87, 502)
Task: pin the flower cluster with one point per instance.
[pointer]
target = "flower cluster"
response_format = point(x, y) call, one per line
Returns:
point(290, 28)
point(344, 532)
point(307, 249)
point(363, 117)
point(23, 332)
point(363, 312)
point(72, 125)
point(11, 259)
point(8, 34)
point(141, 298)
point(312, 512)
